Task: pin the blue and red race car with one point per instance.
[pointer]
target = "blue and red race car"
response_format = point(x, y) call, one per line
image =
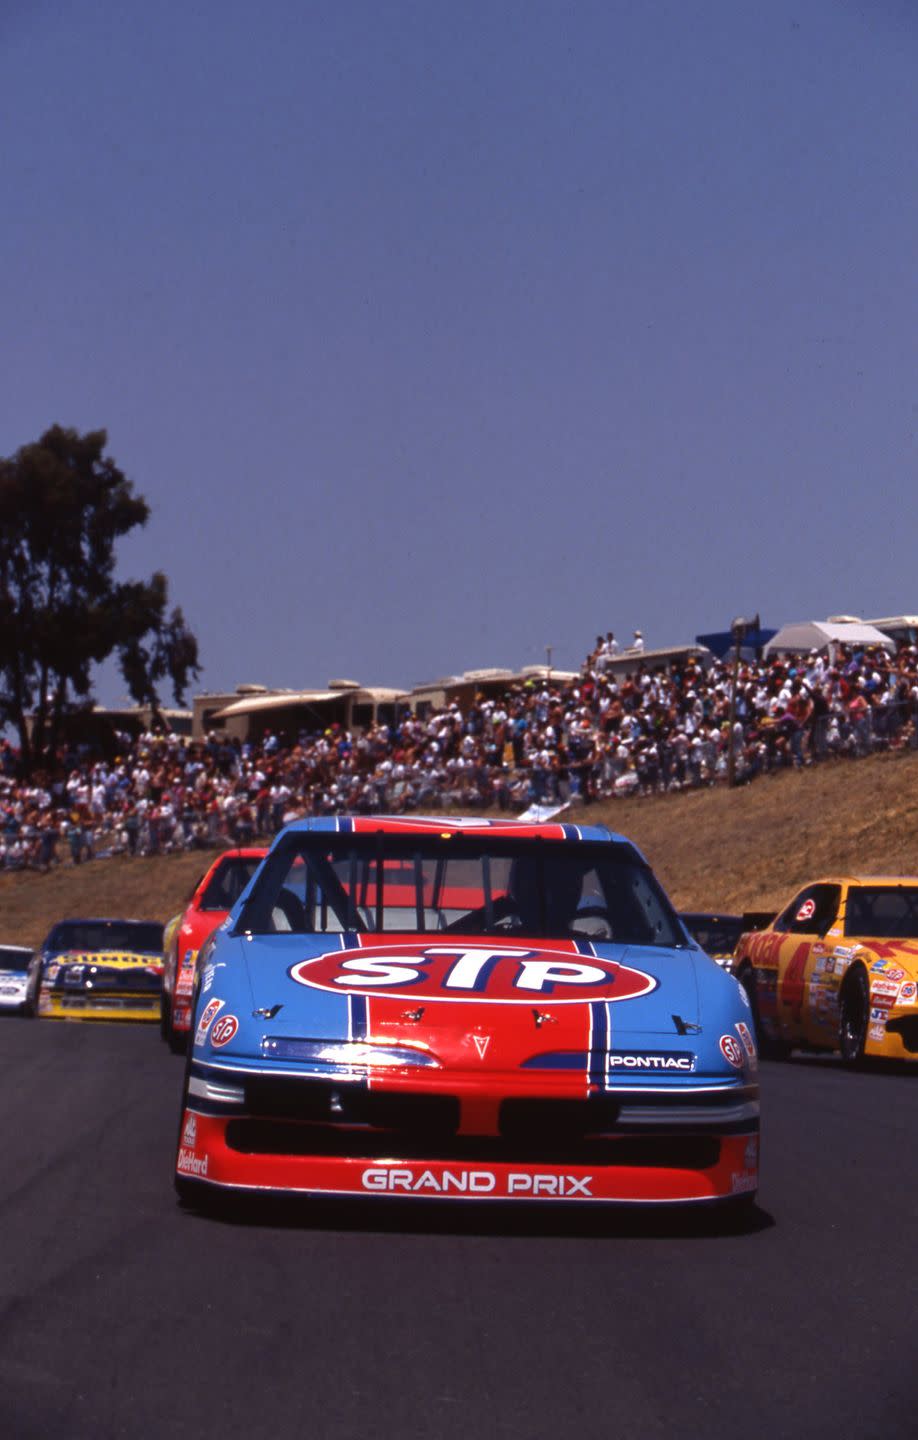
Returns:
point(465, 1009)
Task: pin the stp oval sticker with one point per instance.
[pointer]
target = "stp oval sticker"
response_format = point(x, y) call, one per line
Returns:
point(732, 1051)
point(223, 1030)
point(501, 974)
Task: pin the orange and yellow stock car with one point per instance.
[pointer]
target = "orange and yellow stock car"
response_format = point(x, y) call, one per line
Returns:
point(838, 970)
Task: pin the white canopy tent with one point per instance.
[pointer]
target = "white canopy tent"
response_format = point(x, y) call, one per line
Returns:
point(809, 635)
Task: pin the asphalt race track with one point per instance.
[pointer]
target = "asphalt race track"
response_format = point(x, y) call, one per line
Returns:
point(125, 1316)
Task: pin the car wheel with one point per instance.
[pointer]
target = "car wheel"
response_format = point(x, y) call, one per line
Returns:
point(854, 1017)
point(177, 1040)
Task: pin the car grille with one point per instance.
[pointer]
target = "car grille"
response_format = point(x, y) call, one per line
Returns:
point(107, 982)
point(253, 1136)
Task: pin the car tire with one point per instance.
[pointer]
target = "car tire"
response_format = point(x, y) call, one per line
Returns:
point(177, 1040)
point(854, 1016)
point(768, 1047)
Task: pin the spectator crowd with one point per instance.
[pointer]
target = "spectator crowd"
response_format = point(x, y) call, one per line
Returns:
point(542, 742)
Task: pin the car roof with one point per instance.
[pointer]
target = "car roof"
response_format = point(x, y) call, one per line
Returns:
point(236, 852)
point(907, 881)
point(104, 920)
point(461, 825)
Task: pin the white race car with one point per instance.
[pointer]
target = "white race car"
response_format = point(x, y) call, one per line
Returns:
point(20, 975)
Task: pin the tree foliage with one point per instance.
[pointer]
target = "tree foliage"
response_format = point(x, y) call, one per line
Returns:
point(64, 504)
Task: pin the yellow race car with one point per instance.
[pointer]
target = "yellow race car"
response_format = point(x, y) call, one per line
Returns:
point(838, 970)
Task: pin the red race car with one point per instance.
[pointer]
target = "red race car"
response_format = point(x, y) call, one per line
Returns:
point(214, 896)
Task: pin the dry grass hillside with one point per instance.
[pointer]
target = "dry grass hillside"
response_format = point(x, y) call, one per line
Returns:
point(713, 849)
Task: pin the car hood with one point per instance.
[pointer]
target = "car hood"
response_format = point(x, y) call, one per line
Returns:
point(437, 993)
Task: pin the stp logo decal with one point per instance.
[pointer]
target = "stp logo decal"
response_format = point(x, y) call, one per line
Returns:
point(732, 1051)
point(223, 1031)
point(806, 911)
point(503, 974)
point(207, 1014)
point(745, 1034)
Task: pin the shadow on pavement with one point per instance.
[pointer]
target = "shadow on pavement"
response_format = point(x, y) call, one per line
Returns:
point(482, 1218)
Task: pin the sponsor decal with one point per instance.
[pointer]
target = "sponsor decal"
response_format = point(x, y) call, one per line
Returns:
point(181, 1017)
point(732, 1051)
point(210, 970)
point(651, 1060)
point(751, 1153)
point(503, 975)
point(877, 1032)
point(846, 952)
point(878, 967)
point(895, 972)
point(53, 971)
point(745, 1034)
point(744, 997)
point(190, 1132)
point(190, 1164)
point(207, 1014)
point(807, 910)
point(742, 1183)
point(188, 959)
point(884, 992)
point(877, 1014)
point(223, 1031)
point(481, 1043)
point(393, 1180)
point(908, 992)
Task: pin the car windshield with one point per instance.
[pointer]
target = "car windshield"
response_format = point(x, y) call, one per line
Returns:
point(468, 885)
point(14, 958)
point(889, 912)
point(716, 934)
point(229, 881)
point(141, 936)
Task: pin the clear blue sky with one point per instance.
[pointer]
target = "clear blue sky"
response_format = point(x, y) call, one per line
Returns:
point(436, 333)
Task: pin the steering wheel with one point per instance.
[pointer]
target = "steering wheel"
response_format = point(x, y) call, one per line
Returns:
point(598, 922)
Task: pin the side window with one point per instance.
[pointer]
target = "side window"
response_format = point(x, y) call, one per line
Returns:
point(789, 918)
point(811, 912)
point(827, 899)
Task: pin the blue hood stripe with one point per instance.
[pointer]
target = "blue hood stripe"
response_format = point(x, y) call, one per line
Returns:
point(599, 1030)
point(356, 1017)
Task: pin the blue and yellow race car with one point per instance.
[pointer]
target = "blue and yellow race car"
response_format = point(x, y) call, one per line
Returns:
point(102, 970)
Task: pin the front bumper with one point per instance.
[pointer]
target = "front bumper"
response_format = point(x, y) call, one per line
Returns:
point(15, 998)
point(78, 1005)
point(628, 1146)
